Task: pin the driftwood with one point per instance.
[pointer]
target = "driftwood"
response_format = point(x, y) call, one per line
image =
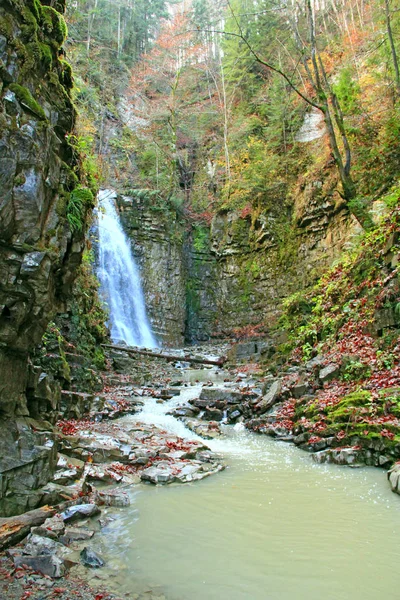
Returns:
point(15, 529)
point(169, 357)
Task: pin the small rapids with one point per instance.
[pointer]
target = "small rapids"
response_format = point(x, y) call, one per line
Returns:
point(272, 526)
point(120, 279)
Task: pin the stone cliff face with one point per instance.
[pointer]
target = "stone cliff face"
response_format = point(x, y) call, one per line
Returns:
point(40, 244)
point(207, 280)
point(157, 243)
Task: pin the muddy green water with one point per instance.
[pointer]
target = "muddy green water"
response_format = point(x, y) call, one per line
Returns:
point(272, 526)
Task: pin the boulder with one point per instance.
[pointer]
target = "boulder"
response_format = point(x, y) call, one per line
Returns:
point(299, 389)
point(52, 528)
point(76, 534)
point(47, 564)
point(91, 559)
point(271, 397)
point(159, 474)
point(394, 478)
point(116, 498)
point(224, 395)
point(329, 372)
point(81, 511)
point(342, 456)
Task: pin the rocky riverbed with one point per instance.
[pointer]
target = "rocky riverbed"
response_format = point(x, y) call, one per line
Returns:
point(106, 446)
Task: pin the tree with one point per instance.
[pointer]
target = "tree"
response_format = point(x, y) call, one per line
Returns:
point(322, 97)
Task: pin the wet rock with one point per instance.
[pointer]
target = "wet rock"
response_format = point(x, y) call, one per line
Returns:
point(329, 372)
point(102, 473)
point(117, 498)
point(185, 411)
point(91, 559)
point(234, 415)
point(81, 511)
point(46, 564)
point(75, 534)
point(214, 395)
point(342, 456)
point(394, 478)
point(271, 397)
point(160, 474)
point(213, 414)
point(52, 528)
point(207, 430)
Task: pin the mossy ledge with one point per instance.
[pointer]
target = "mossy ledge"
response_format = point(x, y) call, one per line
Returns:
point(26, 100)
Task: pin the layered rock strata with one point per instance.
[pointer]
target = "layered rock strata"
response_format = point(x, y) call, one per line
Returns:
point(42, 214)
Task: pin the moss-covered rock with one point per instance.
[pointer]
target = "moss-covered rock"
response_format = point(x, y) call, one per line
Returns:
point(26, 100)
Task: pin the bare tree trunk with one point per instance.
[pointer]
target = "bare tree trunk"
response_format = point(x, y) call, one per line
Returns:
point(119, 32)
point(225, 109)
point(392, 46)
point(91, 16)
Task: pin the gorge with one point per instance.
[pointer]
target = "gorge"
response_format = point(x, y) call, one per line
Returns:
point(216, 180)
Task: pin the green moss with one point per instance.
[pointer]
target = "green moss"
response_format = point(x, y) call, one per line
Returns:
point(66, 77)
point(30, 27)
point(200, 238)
point(36, 8)
point(350, 405)
point(80, 200)
point(69, 178)
point(54, 24)
point(62, 202)
point(26, 99)
point(7, 27)
point(46, 54)
point(19, 180)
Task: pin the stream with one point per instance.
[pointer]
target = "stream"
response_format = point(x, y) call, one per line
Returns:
point(273, 525)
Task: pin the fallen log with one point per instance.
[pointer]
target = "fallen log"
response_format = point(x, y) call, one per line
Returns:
point(169, 357)
point(15, 529)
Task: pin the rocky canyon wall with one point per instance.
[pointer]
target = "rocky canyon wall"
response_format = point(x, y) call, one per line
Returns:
point(40, 244)
point(205, 280)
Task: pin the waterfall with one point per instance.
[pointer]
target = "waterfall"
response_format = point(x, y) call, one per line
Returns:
point(120, 279)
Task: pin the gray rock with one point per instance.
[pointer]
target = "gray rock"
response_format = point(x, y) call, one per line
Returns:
point(214, 394)
point(81, 511)
point(317, 361)
point(271, 397)
point(48, 564)
point(158, 475)
point(300, 389)
point(116, 498)
point(341, 456)
point(52, 528)
point(91, 559)
point(213, 414)
point(394, 478)
point(185, 411)
point(234, 415)
point(329, 372)
point(75, 534)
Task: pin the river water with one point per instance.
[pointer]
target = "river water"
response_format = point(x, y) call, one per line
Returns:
point(272, 526)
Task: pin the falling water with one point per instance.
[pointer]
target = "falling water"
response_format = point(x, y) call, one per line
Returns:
point(119, 278)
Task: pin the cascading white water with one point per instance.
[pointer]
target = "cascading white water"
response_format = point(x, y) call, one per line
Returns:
point(120, 279)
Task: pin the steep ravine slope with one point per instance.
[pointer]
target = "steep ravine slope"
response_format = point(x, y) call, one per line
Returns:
point(43, 206)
